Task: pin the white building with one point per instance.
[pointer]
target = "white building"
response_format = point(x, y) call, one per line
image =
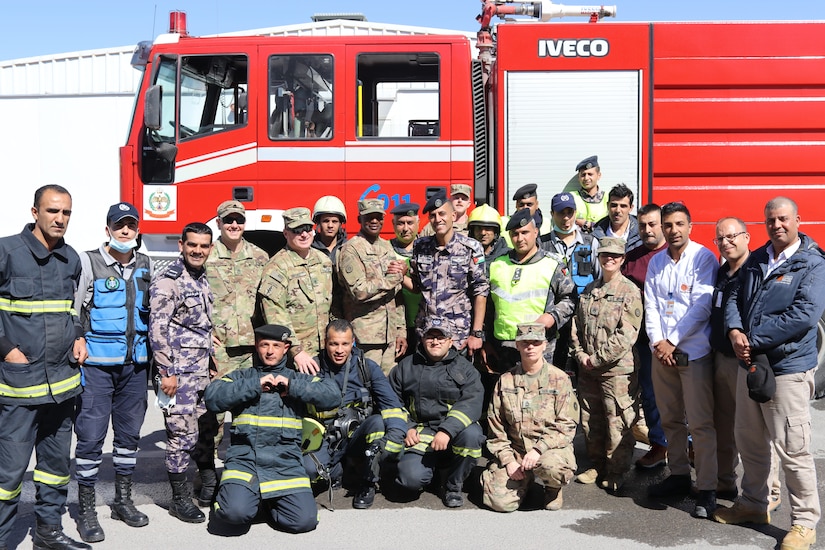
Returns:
point(65, 116)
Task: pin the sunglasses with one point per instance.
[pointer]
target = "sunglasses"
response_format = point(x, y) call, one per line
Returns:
point(301, 229)
point(229, 220)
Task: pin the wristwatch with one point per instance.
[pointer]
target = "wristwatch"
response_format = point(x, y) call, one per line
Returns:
point(477, 334)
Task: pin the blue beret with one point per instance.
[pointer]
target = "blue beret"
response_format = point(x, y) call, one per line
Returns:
point(273, 332)
point(436, 201)
point(588, 163)
point(520, 218)
point(525, 192)
point(406, 209)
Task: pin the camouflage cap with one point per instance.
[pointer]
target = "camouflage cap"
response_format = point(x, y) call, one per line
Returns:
point(231, 207)
point(439, 324)
point(611, 245)
point(531, 332)
point(273, 332)
point(370, 206)
point(461, 189)
point(296, 217)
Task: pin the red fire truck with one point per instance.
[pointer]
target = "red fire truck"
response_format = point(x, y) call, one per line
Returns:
point(721, 115)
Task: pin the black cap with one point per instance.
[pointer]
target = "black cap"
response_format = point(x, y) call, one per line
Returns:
point(588, 163)
point(520, 218)
point(436, 201)
point(761, 379)
point(406, 209)
point(525, 192)
point(273, 332)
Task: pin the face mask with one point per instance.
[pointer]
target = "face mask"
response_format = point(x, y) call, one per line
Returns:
point(557, 229)
point(122, 247)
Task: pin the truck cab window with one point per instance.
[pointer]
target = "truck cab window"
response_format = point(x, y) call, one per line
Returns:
point(212, 94)
point(398, 95)
point(300, 96)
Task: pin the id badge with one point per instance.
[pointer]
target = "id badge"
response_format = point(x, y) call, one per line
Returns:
point(670, 306)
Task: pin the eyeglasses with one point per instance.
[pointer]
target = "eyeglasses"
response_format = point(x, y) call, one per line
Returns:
point(229, 220)
point(301, 229)
point(730, 238)
point(438, 337)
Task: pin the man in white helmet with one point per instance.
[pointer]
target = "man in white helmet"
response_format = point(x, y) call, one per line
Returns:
point(329, 216)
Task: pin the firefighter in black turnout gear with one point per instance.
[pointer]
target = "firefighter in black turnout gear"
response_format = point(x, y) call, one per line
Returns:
point(369, 420)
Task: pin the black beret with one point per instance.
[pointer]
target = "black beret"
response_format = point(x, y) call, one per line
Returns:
point(520, 218)
point(406, 209)
point(761, 379)
point(525, 192)
point(436, 201)
point(273, 332)
point(588, 163)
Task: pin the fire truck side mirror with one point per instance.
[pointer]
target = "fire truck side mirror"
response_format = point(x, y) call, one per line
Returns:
point(152, 108)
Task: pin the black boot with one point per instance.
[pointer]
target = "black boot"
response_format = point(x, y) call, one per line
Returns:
point(52, 537)
point(209, 487)
point(87, 524)
point(182, 506)
point(123, 508)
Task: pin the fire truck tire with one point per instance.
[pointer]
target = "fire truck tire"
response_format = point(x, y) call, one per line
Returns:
point(819, 376)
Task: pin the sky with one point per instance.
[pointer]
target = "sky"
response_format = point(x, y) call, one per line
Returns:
point(35, 27)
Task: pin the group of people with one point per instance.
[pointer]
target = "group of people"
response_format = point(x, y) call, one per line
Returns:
point(375, 363)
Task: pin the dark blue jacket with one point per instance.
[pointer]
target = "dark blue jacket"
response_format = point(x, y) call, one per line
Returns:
point(780, 314)
point(634, 240)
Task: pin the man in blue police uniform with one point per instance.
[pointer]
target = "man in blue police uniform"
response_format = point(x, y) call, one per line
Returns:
point(41, 343)
point(113, 298)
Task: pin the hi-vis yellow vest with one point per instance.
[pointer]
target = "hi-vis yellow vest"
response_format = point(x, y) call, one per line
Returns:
point(590, 211)
point(519, 292)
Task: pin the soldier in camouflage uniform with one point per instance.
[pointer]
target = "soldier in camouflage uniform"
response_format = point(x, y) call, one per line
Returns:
point(533, 420)
point(448, 270)
point(180, 333)
point(605, 327)
point(370, 276)
point(235, 267)
point(405, 224)
point(296, 290)
point(461, 198)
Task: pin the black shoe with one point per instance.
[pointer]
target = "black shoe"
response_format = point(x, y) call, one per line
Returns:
point(365, 497)
point(182, 506)
point(209, 487)
point(672, 486)
point(123, 508)
point(705, 505)
point(453, 499)
point(52, 537)
point(87, 523)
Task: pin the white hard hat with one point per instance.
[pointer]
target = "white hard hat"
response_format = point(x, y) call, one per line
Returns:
point(329, 204)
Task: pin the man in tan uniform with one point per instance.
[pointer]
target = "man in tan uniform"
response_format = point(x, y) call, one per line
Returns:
point(370, 276)
point(296, 290)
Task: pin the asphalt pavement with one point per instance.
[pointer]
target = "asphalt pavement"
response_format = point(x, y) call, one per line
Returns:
point(590, 518)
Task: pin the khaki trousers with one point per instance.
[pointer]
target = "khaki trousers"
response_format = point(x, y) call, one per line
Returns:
point(687, 393)
point(785, 420)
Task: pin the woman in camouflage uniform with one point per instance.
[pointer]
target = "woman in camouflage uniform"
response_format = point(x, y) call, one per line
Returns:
point(605, 327)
